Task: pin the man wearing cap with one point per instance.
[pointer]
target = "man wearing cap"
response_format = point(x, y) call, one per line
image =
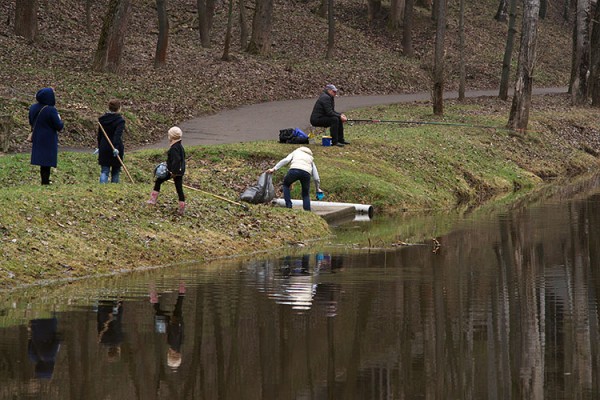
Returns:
point(324, 115)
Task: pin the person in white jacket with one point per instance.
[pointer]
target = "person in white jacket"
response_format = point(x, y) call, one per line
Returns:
point(302, 168)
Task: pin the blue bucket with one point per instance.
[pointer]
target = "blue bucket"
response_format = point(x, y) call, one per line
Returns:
point(326, 140)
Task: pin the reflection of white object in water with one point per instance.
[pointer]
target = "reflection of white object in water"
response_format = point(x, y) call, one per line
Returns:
point(296, 291)
point(160, 325)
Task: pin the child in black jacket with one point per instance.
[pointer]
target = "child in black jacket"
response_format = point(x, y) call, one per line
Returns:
point(175, 167)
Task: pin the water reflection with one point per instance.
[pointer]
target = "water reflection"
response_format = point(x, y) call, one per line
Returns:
point(505, 308)
point(43, 345)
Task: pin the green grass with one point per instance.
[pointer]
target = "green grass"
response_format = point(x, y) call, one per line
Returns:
point(77, 227)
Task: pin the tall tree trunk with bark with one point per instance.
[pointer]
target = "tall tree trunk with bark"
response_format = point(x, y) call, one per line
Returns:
point(243, 25)
point(206, 12)
point(373, 9)
point(581, 52)
point(227, 44)
point(88, 16)
point(594, 81)
point(407, 45)
point(26, 23)
point(519, 111)
point(260, 42)
point(330, 30)
point(461, 39)
point(162, 44)
point(508, 50)
point(438, 62)
point(502, 12)
point(112, 38)
point(397, 8)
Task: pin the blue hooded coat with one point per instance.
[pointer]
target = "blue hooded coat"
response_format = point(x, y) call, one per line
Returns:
point(45, 123)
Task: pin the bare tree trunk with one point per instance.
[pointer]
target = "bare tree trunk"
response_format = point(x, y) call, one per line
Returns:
point(543, 8)
point(461, 39)
point(407, 45)
point(162, 44)
point(438, 62)
point(260, 42)
point(581, 51)
point(502, 12)
point(594, 81)
point(428, 4)
point(322, 9)
point(331, 30)
point(397, 8)
point(26, 24)
point(206, 12)
point(227, 44)
point(112, 38)
point(88, 16)
point(373, 9)
point(243, 25)
point(508, 50)
point(519, 111)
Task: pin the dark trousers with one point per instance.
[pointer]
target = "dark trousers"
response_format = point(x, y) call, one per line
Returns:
point(178, 180)
point(292, 176)
point(335, 125)
point(45, 175)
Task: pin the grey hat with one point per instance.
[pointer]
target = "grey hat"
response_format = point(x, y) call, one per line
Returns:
point(331, 87)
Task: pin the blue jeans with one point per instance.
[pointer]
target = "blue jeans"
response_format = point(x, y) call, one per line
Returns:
point(106, 170)
point(292, 176)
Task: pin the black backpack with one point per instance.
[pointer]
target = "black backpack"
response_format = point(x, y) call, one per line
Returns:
point(286, 135)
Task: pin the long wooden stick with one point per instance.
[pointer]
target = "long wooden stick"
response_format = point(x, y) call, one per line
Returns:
point(213, 195)
point(113, 147)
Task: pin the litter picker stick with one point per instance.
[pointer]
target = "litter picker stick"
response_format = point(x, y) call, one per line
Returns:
point(113, 147)
point(213, 195)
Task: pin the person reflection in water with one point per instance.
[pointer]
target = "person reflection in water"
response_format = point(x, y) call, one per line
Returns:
point(110, 331)
point(171, 324)
point(43, 345)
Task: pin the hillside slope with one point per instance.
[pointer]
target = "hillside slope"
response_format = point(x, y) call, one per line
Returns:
point(367, 60)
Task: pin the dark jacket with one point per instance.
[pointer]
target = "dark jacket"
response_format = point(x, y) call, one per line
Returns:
point(114, 125)
point(176, 159)
point(324, 107)
point(45, 122)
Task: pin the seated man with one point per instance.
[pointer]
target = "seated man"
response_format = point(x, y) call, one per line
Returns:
point(324, 115)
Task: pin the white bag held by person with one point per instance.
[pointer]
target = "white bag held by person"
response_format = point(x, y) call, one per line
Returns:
point(262, 192)
point(161, 171)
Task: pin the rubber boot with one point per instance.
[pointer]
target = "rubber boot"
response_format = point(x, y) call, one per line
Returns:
point(181, 209)
point(153, 198)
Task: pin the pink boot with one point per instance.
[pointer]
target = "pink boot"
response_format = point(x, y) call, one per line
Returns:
point(181, 209)
point(153, 198)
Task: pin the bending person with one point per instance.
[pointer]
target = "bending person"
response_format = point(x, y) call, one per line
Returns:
point(302, 167)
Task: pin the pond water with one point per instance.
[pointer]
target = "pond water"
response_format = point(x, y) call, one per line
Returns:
point(502, 304)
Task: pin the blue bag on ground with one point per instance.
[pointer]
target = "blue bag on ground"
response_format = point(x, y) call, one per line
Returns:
point(262, 192)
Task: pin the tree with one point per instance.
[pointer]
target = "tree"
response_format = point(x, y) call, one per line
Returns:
point(373, 9)
point(461, 37)
point(243, 25)
point(260, 41)
point(519, 111)
point(26, 24)
point(438, 62)
point(397, 8)
point(112, 38)
point(407, 46)
point(581, 53)
point(227, 44)
point(160, 58)
point(502, 13)
point(331, 30)
point(508, 50)
point(594, 81)
point(206, 12)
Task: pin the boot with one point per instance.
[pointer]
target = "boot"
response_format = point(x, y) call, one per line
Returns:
point(153, 198)
point(181, 209)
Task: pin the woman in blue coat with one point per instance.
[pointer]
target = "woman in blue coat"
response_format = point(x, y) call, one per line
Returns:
point(45, 124)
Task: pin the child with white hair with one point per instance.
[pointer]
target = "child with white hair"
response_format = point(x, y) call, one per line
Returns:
point(175, 169)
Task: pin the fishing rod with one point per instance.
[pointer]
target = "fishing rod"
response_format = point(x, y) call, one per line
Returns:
point(375, 121)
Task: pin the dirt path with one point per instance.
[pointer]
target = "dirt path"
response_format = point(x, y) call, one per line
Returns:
point(263, 121)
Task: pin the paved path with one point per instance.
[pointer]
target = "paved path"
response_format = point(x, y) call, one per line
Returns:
point(263, 121)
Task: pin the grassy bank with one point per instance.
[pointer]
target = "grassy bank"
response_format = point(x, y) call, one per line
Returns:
point(77, 227)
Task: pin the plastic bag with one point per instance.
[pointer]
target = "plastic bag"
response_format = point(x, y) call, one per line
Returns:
point(262, 192)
